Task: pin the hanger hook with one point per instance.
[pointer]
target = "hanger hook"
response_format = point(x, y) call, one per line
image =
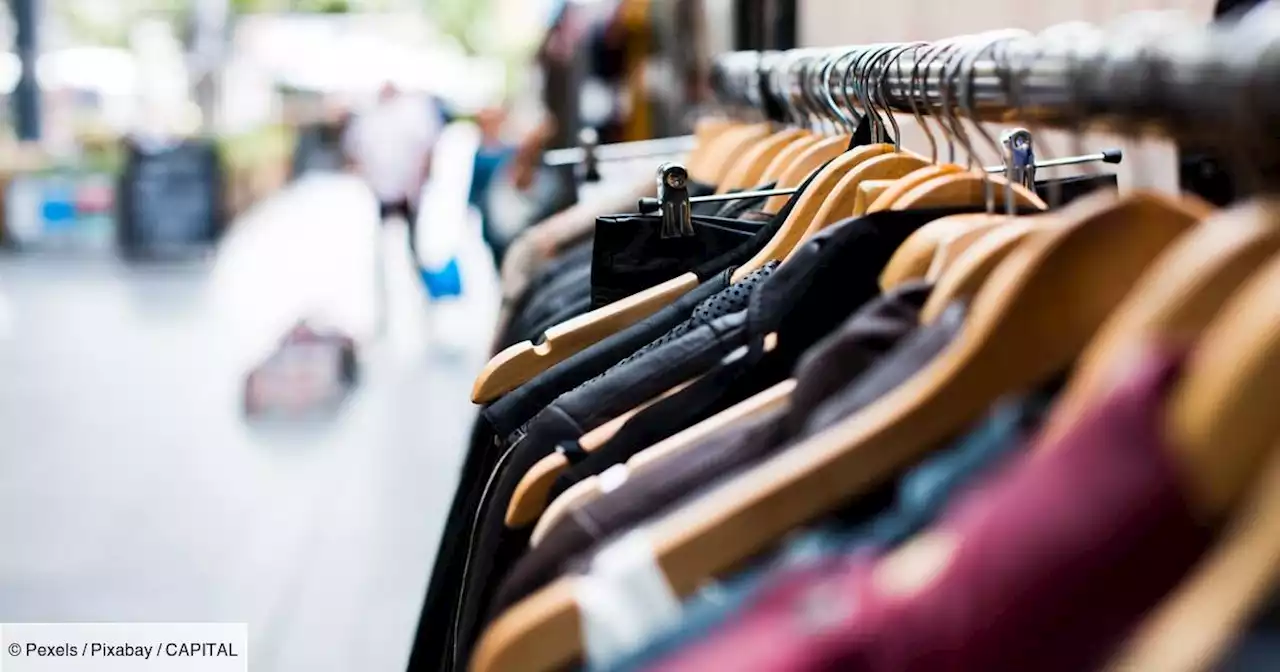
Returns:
point(882, 93)
point(833, 59)
point(968, 66)
point(860, 88)
point(944, 112)
point(785, 75)
point(870, 77)
point(846, 77)
point(915, 89)
point(813, 84)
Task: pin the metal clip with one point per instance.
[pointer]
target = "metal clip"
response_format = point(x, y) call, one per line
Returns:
point(1019, 157)
point(673, 201)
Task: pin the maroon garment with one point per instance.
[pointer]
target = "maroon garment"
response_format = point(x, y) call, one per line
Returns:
point(1046, 568)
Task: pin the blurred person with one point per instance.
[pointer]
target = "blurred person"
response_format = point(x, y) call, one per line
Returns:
point(491, 155)
point(389, 146)
point(555, 58)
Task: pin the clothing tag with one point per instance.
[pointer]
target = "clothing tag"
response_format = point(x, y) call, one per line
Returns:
point(613, 478)
point(572, 451)
point(624, 601)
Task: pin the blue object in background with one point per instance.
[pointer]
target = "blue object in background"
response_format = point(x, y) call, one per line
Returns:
point(444, 282)
point(58, 209)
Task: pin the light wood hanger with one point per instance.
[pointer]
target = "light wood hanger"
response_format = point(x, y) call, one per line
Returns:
point(705, 131)
point(697, 161)
point(809, 160)
point(796, 226)
point(1221, 417)
point(529, 499)
point(1195, 625)
point(1027, 323)
point(1194, 628)
point(520, 362)
point(729, 147)
point(1221, 425)
point(840, 202)
point(590, 489)
point(1176, 300)
point(916, 255)
point(868, 192)
point(972, 269)
point(572, 499)
point(909, 181)
point(773, 172)
point(746, 171)
point(965, 188)
point(952, 248)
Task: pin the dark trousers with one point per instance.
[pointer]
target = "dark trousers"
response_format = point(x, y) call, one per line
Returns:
point(409, 212)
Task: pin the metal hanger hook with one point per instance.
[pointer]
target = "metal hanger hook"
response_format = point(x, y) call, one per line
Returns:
point(870, 84)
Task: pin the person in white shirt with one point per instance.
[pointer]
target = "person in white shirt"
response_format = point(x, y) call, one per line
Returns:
point(389, 146)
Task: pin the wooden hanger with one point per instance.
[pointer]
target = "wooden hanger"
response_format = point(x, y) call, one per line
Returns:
point(907, 182)
point(809, 160)
point(590, 489)
point(840, 202)
point(705, 131)
point(1194, 628)
point(706, 140)
point(1222, 426)
point(796, 226)
point(774, 171)
point(1026, 324)
point(965, 188)
point(915, 256)
point(746, 171)
point(1196, 624)
point(529, 499)
point(1175, 301)
point(952, 248)
point(520, 362)
point(971, 270)
point(1221, 418)
point(728, 147)
point(868, 192)
point(572, 499)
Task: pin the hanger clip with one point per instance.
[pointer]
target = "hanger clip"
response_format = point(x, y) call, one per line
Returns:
point(1020, 157)
point(673, 201)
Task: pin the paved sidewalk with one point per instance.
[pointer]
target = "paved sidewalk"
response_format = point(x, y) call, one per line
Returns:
point(131, 490)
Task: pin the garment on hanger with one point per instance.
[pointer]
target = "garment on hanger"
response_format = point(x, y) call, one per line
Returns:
point(1093, 530)
point(687, 349)
point(830, 365)
point(631, 253)
point(511, 411)
point(827, 279)
point(920, 496)
point(522, 310)
point(501, 424)
point(664, 485)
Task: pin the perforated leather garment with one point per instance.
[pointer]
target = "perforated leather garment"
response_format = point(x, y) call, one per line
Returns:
point(727, 301)
point(454, 596)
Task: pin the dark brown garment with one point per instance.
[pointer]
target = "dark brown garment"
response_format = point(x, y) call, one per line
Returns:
point(736, 448)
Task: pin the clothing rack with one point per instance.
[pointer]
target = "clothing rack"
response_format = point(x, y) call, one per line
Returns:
point(1171, 76)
